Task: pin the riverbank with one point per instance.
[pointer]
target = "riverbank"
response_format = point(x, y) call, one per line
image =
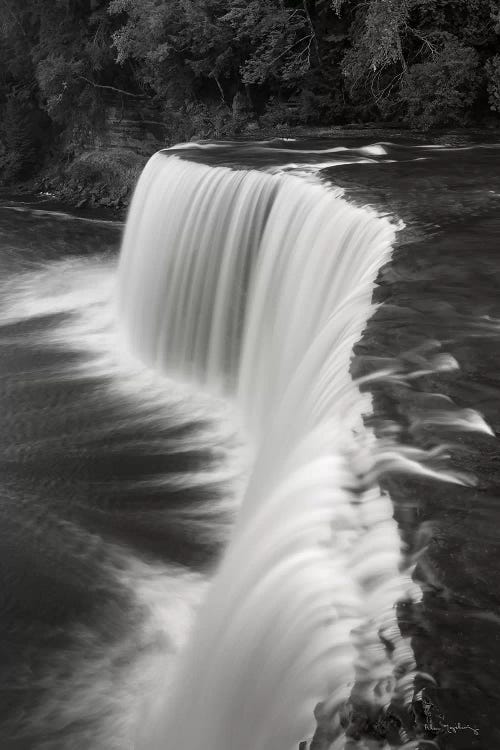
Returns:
point(105, 177)
point(102, 178)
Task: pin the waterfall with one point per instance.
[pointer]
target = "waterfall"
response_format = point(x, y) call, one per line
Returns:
point(256, 287)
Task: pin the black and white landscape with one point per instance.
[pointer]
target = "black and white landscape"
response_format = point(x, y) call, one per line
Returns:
point(249, 341)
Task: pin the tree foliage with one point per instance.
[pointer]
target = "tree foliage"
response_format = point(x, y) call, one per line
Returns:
point(213, 66)
point(441, 90)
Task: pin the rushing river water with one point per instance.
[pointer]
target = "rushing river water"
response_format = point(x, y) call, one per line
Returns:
point(195, 547)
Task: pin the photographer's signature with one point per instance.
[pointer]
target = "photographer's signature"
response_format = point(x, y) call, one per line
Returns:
point(435, 721)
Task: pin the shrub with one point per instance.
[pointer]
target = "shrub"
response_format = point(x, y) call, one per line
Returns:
point(23, 135)
point(104, 176)
point(493, 77)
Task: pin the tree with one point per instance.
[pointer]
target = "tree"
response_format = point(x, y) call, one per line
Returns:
point(418, 59)
point(207, 67)
point(441, 90)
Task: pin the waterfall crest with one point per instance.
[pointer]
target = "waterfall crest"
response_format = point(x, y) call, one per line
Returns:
point(257, 286)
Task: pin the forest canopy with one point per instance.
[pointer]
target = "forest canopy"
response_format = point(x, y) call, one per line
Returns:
point(217, 67)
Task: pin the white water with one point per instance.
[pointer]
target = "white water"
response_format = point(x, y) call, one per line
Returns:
point(258, 286)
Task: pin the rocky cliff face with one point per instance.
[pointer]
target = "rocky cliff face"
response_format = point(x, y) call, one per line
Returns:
point(130, 124)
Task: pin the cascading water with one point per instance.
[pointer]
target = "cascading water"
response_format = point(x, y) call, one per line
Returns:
point(257, 286)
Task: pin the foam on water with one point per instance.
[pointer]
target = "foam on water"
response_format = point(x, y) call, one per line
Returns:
point(97, 691)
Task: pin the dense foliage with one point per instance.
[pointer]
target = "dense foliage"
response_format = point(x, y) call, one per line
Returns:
point(215, 67)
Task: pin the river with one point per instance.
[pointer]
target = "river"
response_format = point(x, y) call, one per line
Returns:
point(121, 483)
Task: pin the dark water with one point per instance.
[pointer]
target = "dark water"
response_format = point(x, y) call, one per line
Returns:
point(442, 291)
point(85, 468)
point(443, 287)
